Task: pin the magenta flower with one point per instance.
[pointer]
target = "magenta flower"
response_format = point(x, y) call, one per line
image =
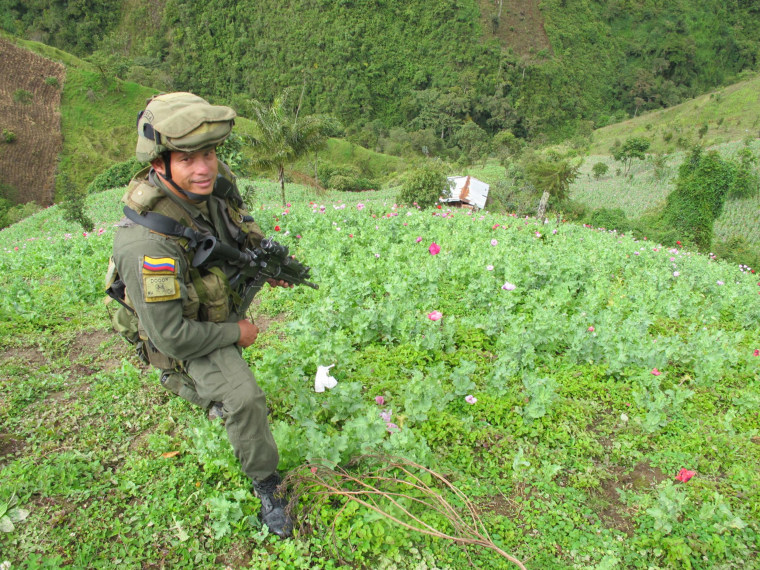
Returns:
point(435, 315)
point(419, 239)
point(684, 475)
point(757, 352)
point(656, 372)
point(591, 329)
point(434, 249)
point(470, 399)
point(379, 400)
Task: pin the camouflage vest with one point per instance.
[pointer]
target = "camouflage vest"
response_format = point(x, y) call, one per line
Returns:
point(209, 296)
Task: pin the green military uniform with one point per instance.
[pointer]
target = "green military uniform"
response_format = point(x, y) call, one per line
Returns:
point(190, 316)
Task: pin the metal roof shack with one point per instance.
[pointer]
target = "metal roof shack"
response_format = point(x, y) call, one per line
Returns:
point(467, 192)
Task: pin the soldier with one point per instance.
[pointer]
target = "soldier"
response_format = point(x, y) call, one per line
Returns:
point(189, 321)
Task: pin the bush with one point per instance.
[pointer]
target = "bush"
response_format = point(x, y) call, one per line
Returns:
point(73, 202)
point(424, 186)
point(23, 96)
point(15, 214)
point(115, 176)
point(52, 81)
point(737, 250)
point(703, 184)
point(610, 219)
point(8, 136)
point(599, 170)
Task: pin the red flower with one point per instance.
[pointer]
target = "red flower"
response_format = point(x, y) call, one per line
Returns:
point(678, 243)
point(277, 228)
point(757, 352)
point(684, 475)
point(438, 206)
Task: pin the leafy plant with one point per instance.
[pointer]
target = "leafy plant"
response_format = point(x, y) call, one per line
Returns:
point(424, 186)
point(11, 514)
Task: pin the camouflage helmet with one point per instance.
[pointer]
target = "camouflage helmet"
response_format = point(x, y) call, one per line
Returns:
point(180, 121)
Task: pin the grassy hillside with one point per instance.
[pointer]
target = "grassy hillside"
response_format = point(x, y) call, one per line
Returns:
point(725, 115)
point(572, 377)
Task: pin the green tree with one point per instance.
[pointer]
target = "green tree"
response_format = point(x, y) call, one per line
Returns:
point(633, 147)
point(282, 136)
point(73, 203)
point(703, 184)
point(425, 185)
point(552, 175)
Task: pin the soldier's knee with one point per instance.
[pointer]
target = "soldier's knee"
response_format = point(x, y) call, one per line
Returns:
point(248, 398)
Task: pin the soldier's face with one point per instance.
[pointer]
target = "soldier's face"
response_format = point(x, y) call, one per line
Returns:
point(192, 171)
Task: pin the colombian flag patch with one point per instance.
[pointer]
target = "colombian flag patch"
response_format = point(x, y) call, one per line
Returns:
point(162, 264)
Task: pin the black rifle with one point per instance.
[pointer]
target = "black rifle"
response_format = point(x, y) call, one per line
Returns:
point(271, 260)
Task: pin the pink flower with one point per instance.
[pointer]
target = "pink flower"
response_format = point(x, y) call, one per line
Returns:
point(494, 242)
point(435, 315)
point(314, 470)
point(591, 329)
point(419, 239)
point(470, 399)
point(757, 352)
point(509, 286)
point(385, 416)
point(434, 249)
point(656, 372)
point(360, 206)
point(391, 427)
point(684, 475)
point(379, 400)
point(489, 267)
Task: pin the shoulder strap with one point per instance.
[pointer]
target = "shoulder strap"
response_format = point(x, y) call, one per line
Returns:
point(164, 225)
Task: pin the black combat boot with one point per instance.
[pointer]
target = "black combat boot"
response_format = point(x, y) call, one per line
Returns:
point(273, 508)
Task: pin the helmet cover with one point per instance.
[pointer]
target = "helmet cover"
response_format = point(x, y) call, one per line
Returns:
point(182, 122)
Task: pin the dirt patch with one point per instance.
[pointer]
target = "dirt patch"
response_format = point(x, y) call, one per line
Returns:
point(10, 446)
point(238, 556)
point(517, 24)
point(612, 512)
point(31, 356)
point(88, 355)
point(30, 102)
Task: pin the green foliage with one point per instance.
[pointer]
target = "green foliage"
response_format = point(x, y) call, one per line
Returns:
point(8, 136)
point(283, 135)
point(632, 148)
point(609, 218)
point(423, 186)
point(52, 81)
point(115, 176)
point(73, 203)
point(704, 182)
point(551, 174)
point(23, 96)
point(600, 169)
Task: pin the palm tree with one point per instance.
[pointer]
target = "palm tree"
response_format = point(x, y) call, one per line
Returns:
point(283, 136)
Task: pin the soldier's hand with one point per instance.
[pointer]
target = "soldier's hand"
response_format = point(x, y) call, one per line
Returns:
point(248, 333)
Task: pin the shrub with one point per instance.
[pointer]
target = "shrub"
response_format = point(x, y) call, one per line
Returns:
point(704, 181)
point(114, 176)
point(73, 202)
point(52, 81)
point(737, 250)
point(23, 96)
point(610, 219)
point(634, 147)
point(424, 186)
point(8, 136)
point(599, 170)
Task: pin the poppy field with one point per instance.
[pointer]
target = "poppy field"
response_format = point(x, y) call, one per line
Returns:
point(585, 399)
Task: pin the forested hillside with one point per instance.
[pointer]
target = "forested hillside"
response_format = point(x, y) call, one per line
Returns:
point(546, 70)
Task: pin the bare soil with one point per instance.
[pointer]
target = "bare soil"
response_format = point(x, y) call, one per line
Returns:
point(518, 24)
point(28, 164)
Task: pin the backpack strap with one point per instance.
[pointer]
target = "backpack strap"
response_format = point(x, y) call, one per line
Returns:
point(164, 225)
